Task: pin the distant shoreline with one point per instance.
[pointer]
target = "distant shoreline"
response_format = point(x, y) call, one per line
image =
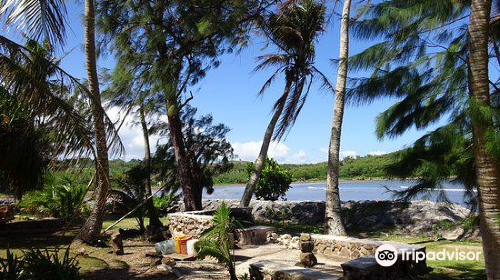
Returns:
point(312, 181)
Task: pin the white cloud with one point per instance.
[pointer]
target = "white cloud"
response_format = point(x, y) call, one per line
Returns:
point(300, 157)
point(377, 153)
point(344, 154)
point(131, 135)
point(250, 150)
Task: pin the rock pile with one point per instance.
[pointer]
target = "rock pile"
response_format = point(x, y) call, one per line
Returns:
point(307, 257)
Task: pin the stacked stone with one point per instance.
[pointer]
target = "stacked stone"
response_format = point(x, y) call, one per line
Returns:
point(189, 225)
point(307, 258)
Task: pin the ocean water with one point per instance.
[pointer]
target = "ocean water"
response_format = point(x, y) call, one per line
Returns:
point(351, 190)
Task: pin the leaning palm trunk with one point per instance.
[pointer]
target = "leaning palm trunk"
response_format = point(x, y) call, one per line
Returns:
point(487, 167)
point(154, 221)
point(261, 159)
point(90, 232)
point(333, 219)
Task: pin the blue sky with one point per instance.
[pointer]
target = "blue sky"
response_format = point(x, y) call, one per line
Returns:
point(229, 93)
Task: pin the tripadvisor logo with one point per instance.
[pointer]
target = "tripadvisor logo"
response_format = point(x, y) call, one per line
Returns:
point(387, 255)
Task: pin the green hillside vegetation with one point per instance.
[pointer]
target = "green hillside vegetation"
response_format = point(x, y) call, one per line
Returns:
point(359, 168)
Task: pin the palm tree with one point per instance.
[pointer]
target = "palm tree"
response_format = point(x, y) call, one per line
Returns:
point(217, 242)
point(294, 31)
point(487, 165)
point(333, 220)
point(37, 97)
point(436, 62)
point(46, 18)
point(91, 230)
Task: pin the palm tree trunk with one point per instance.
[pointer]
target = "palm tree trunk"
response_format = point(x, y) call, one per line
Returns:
point(181, 158)
point(333, 219)
point(487, 167)
point(91, 230)
point(154, 221)
point(261, 159)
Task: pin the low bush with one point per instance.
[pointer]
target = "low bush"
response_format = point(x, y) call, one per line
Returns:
point(37, 264)
point(66, 202)
point(164, 202)
point(274, 181)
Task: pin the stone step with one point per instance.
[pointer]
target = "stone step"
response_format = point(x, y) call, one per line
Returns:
point(278, 271)
point(256, 235)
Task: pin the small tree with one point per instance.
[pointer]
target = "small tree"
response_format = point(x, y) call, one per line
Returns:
point(217, 242)
point(274, 181)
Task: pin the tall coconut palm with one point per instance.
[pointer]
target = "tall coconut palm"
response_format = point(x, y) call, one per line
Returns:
point(47, 18)
point(294, 31)
point(91, 230)
point(487, 165)
point(333, 220)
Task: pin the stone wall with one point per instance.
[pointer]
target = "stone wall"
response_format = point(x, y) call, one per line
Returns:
point(412, 218)
point(191, 224)
point(341, 247)
point(48, 225)
point(301, 212)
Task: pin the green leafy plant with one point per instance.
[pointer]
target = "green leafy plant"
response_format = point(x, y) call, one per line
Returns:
point(50, 265)
point(164, 202)
point(217, 241)
point(11, 268)
point(273, 182)
point(66, 202)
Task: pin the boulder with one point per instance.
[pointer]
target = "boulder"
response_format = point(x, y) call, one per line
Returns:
point(307, 260)
point(305, 237)
point(6, 213)
point(306, 246)
point(166, 260)
point(117, 243)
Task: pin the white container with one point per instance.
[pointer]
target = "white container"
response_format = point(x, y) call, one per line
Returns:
point(191, 251)
point(165, 247)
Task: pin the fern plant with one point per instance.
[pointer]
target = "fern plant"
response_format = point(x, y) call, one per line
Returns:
point(217, 241)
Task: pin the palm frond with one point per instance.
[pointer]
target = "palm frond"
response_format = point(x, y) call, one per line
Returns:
point(39, 19)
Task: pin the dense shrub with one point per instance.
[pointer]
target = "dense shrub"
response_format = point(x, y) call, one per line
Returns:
point(164, 202)
point(273, 182)
point(66, 202)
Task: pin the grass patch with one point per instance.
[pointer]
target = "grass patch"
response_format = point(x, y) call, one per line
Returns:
point(126, 223)
point(448, 269)
point(294, 229)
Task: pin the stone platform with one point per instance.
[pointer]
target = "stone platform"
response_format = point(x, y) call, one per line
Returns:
point(278, 271)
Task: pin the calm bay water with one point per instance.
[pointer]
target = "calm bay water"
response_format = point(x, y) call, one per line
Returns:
point(351, 190)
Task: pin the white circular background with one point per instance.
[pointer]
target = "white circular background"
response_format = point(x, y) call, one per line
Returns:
point(386, 247)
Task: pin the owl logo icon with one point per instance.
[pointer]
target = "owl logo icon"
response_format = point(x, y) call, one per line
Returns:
point(386, 255)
